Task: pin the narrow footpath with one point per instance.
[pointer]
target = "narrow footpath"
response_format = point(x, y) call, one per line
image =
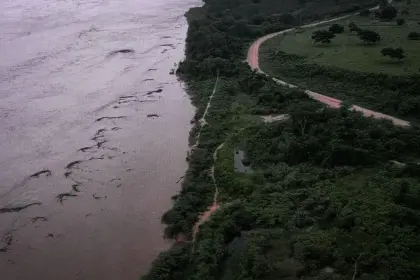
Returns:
point(214, 206)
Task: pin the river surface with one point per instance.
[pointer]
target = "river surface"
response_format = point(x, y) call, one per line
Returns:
point(93, 135)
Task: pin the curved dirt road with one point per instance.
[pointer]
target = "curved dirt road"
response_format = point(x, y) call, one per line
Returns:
point(252, 59)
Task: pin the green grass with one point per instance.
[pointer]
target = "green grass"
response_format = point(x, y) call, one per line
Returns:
point(348, 52)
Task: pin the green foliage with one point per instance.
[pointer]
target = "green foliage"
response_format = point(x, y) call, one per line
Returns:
point(388, 13)
point(319, 138)
point(395, 95)
point(400, 21)
point(353, 27)
point(368, 36)
point(414, 35)
point(336, 28)
point(286, 18)
point(397, 53)
point(169, 265)
point(219, 31)
point(321, 193)
point(322, 36)
point(346, 50)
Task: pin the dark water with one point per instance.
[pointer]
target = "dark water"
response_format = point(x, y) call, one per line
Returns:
point(109, 129)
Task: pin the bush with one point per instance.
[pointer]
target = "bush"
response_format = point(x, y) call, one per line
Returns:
point(397, 53)
point(414, 36)
point(368, 36)
point(364, 13)
point(322, 36)
point(388, 13)
point(336, 28)
point(353, 27)
point(400, 21)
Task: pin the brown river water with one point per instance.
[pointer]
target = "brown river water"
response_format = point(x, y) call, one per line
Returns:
point(93, 135)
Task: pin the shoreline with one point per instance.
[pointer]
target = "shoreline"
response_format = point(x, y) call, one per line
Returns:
point(207, 253)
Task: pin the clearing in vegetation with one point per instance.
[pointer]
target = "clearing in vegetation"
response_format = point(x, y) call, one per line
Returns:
point(347, 50)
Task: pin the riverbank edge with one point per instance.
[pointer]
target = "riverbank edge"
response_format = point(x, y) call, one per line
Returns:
point(200, 161)
point(200, 92)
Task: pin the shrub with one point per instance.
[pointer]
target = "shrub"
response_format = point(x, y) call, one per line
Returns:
point(336, 28)
point(368, 36)
point(322, 36)
point(400, 21)
point(353, 27)
point(414, 35)
point(397, 53)
point(364, 13)
point(388, 13)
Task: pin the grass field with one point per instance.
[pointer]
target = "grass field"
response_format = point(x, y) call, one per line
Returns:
point(348, 52)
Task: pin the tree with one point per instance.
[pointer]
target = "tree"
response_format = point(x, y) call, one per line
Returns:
point(414, 36)
point(364, 13)
point(353, 27)
point(400, 21)
point(388, 13)
point(383, 4)
point(257, 19)
point(322, 36)
point(336, 28)
point(369, 36)
point(286, 18)
point(397, 53)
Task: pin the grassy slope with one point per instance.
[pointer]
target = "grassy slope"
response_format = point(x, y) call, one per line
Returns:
point(346, 50)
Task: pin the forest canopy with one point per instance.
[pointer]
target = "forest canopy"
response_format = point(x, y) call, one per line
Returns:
point(330, 194)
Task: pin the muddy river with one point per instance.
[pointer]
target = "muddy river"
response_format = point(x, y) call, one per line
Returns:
point(93, 135)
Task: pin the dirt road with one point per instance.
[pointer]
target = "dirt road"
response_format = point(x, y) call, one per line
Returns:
point(252, 60)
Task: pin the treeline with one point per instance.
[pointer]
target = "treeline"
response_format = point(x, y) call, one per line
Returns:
point(332, 138)
point(395, 95)
point(220, 30)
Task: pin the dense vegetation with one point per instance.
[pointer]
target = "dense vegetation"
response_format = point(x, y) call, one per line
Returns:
point(331, 195)
point(395, 95)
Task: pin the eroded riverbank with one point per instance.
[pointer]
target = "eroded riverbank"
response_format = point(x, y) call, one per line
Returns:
point(94, 133)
